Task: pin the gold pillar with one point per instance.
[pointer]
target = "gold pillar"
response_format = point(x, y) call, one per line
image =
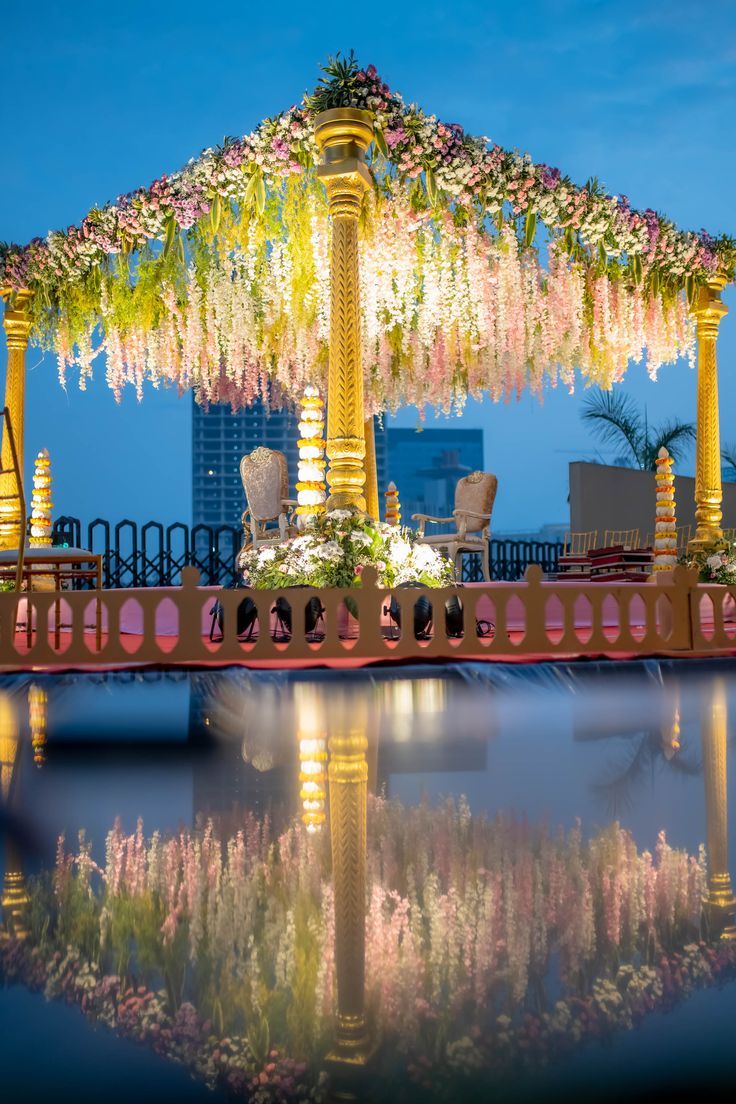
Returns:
point(343, 135)
point(714, 736)
point(17, 323)
point(371, 472)
point(708, 312)
point(348, 785)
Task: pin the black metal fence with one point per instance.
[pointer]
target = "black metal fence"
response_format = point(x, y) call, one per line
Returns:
point(153, 554)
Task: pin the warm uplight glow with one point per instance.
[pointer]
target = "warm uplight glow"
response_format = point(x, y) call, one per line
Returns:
point(310, 488)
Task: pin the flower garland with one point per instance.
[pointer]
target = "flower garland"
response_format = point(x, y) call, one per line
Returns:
point(334, 550)
point(216, 277)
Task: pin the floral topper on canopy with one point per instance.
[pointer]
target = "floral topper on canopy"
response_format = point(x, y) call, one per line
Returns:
point(216, 277)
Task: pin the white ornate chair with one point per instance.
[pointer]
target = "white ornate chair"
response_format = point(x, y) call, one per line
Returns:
point(265, 478)
point(474, 498)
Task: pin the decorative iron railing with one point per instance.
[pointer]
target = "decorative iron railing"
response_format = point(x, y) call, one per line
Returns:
point(153, 555)
point(671, 615)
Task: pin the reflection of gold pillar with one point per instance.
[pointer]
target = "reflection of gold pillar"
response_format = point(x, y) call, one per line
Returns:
point(714, 732)
point(348, 778)
point(371, 472)
point(14, 896)
point(343, 135)
point(17, 324)
point(708, 311)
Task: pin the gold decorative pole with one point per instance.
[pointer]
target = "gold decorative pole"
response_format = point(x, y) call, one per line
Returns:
point(17, 323)
point(714, 732)
point(310, 485)
point(371, 472)
point(708, 312)
point(343, 135)
point(348, 781)
point(393, 507)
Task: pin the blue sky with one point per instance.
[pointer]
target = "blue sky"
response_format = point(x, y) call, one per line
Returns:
point(100, 99)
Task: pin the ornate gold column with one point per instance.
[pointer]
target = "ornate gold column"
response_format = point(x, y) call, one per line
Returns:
point(343, 135)
point(17, 323)
point(714, 733)
point(348, 783)
point(708, 312)
point(371, 472)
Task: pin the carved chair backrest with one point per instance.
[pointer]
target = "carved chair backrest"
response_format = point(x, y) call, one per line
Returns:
point(476, 491)
point(265, 476)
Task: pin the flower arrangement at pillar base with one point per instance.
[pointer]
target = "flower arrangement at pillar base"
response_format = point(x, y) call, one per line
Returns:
point(334, 550)
point(716, 562)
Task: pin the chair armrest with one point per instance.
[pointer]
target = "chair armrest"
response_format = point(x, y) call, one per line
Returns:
point(461, 518)
point(423, 519)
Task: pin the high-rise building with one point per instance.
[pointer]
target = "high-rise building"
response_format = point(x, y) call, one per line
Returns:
point(426, 465)
point(220, 439)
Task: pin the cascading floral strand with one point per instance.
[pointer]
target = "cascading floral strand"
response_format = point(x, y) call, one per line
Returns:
point(216, 277)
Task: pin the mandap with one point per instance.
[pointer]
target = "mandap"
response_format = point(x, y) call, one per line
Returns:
point(356, 243)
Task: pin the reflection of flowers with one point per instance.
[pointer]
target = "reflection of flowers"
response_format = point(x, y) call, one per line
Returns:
point(467, 919)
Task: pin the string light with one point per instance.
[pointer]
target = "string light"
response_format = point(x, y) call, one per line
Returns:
point(310, 488)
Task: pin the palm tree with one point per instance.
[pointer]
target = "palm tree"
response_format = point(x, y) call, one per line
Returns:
point(728, 456)
point(617, 420)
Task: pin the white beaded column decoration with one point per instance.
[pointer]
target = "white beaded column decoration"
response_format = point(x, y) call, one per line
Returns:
point(393, 509)
point(665, 528)
point(41, 503)
point(310, 488)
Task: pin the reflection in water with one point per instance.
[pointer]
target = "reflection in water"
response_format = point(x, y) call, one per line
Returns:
point(473, 947)
point(714, 735)
point(312, 739)
point(37, 703)
point(15, 898)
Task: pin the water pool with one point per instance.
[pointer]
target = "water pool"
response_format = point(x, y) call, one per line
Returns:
point(534, 882)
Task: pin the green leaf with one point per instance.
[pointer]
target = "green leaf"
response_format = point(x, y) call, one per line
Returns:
point(655, 281)
point(250, 191)
point(170, 235)
point(570, 240)
point(431, 187)
point(636, 268)
point(260, 194)
point(530, 227)
point(215, 214)
point(602, 255)
point(379, 139)
point(690, 288)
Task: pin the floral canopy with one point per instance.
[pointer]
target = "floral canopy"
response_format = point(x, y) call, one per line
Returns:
point(481, 271)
